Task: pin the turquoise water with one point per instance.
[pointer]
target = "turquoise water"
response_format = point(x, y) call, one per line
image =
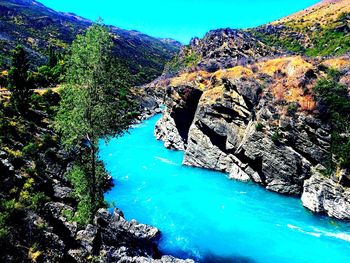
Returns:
point(205, 216)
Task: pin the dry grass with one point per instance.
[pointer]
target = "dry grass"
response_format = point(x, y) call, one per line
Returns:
point(233, 73)
point(339, 63)
point(198, 79)
point(287, 74)
point(291, 66)
point(211, 95)
point(323, 12)
point(42, 91)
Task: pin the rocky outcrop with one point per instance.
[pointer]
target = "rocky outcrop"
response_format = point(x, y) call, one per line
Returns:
point(173, 127)
point(148, 106)
point(324, 195)
point(167, 132)
point(115, 239)
point(118, 240)
point(226, 48)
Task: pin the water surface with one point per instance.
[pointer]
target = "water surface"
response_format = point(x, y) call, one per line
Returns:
point(205, 216)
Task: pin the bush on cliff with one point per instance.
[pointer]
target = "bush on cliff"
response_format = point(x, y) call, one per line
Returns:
point(334, 106)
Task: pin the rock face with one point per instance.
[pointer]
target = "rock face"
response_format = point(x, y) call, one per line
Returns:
point(256, 123)
point(115, 239)
point(167, 131)
point(224, 137)
point(324, 195)
point(173, 127)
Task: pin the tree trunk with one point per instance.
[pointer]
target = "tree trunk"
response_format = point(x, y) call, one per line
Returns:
point(93, 176)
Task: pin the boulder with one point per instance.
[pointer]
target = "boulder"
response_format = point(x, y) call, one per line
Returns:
point(88, 238)
point(167, 132)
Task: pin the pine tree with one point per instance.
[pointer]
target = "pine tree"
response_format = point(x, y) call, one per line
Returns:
point(19, 82)
point(52, 60)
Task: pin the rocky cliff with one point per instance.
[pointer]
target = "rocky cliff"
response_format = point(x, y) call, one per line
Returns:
point(258, 123)
point(255, 111)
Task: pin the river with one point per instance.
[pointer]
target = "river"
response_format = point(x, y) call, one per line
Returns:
point(206, 216)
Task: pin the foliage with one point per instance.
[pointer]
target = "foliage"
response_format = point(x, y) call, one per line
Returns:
point(95, 98)
point(259, 126)
point(79, 177)
point(7, 212)
point(95, 104)
point(329, 42)
point(30, 149)
point(334, 106)
point(276, 136)
point(185, 61)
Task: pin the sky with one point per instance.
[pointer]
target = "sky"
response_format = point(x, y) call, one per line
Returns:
point(180, 19)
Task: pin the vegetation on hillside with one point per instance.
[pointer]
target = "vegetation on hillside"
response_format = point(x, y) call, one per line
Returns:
point(27, 145)
point(186, 60)
point(93, 103)
point(334, 106)
point(310, 35)
point(37, 27)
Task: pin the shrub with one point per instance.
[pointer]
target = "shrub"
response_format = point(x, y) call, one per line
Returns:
point(276, 136)
point(68, 214)
point(259, 126)
point(81, 189)
point(30, 149)
point(7, 212)
point(292, 109)
point(38, 201)
point(36, 100)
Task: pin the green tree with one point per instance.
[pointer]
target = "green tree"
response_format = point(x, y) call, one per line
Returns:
point(52, 60)
point(94, 104)
point(19, 81)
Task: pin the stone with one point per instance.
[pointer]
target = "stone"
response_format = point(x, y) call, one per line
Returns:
point(57, 212)
point(323, 195)
point(88, 237)
point(62, 192)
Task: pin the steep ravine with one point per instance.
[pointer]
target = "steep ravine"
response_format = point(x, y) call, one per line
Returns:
point(242, 126)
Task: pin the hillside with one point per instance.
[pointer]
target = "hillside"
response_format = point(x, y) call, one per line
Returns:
point(37, 27)
point(320, 30)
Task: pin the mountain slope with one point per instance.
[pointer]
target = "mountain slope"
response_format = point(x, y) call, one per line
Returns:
point(37, 27)
point(321, 30)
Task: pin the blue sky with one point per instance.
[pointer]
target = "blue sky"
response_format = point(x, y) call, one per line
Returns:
point(180, 19)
